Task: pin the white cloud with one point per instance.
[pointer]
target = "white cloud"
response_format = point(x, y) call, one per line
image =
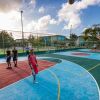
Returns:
point(75, 22)
point(32, 1)
point(53, 21)
point(6, 5)
point(10, 17)
point(41, 10)
point(9, 20)
point(42, 24)
point(85, 3)
point(71, 13)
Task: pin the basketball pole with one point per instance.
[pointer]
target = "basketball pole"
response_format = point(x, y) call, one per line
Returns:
point(22, 29)
point(70, 32)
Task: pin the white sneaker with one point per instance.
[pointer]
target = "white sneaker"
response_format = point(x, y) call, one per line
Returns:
point(35, 82)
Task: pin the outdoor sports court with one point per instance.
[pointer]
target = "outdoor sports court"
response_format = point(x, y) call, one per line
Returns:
point(67, 75)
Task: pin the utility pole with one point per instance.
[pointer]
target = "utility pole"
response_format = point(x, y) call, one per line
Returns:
point(3, 42)
point(70, 35)
point(22, 29)
point(37, 42)
point(71, 29)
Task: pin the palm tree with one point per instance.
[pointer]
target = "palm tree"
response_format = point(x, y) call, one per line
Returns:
point(86, 34)
point(91, 34)
point(98, 35)
point(97, 28)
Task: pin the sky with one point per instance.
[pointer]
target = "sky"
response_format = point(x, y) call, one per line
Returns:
point(49, 16)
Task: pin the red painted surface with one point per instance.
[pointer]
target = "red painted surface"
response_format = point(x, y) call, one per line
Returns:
point(9, 76)
point(80, 54)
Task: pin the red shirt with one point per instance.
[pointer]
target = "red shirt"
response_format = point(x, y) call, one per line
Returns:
point(32, 59)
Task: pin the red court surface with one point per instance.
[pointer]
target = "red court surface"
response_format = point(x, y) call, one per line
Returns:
point(81, 54)
point(9, 76)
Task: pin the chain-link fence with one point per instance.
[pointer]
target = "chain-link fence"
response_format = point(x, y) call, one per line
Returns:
point(39, 41)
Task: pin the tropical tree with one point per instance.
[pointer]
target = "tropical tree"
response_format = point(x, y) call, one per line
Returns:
point(86, 33)
point(97, 28)
point(97, 32)
point(31, 39)
point(90, 34)
point(73, 38)
point(6, 40)
point(42, 41)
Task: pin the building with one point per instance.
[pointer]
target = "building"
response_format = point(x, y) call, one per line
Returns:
point(80, 41)
point(54, 40)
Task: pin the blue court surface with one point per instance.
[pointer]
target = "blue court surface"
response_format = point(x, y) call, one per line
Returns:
point(3, 60)
point(63, 81)
point(89, 55)
point(88, 50)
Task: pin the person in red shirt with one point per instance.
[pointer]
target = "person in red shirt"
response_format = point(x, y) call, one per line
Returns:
point(33, 63)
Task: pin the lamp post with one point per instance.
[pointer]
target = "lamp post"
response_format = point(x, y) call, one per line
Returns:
point(22, 29)
point(3, 42)
point(71, 29)
point(70, 35)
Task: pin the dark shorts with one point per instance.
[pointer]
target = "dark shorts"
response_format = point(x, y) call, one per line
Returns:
point(15, 58)
point(8, 59)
